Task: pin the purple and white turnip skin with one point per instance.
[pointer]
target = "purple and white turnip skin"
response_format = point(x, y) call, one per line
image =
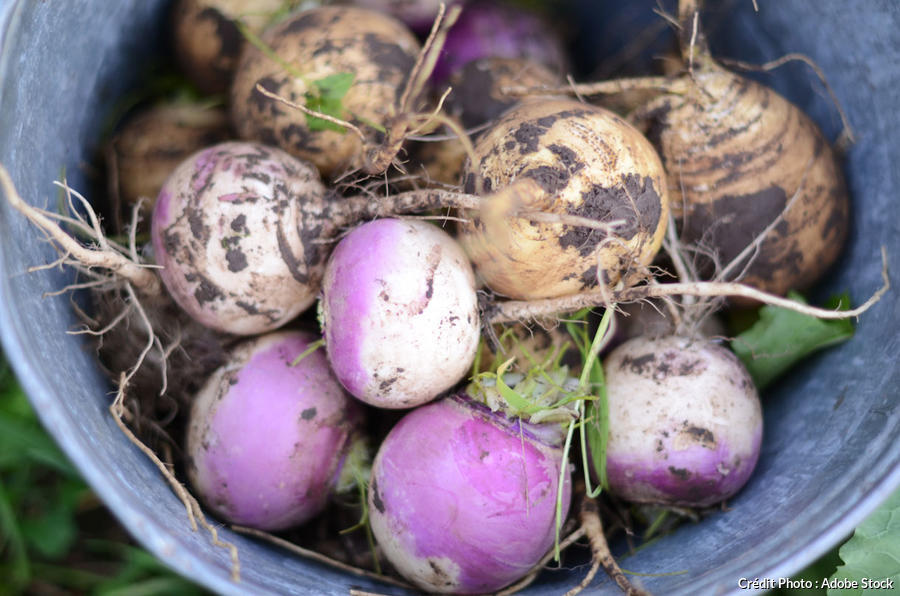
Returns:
point(268, 442)
point(399, 312)
point(235, 229)
point(462, 499)
point(685, 422)
point(495, 30)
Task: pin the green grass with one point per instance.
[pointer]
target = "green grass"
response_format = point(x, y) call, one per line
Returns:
point(55, 535)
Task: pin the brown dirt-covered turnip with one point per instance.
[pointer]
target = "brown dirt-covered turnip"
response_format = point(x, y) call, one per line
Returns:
point(379, 53)
point(207, 41)
point(754, 182)
point(740, 157)
point(581, 162)
point(150, 144)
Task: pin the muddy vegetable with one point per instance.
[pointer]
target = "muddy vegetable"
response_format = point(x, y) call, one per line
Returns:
point(574, 160)
point(207, 41)
point(753, 181)
point(350, 62)
point(477, 98)
point(462, 499)
point(233, 230)
point(269, 441)
point(148, 147)
point(685, 422)
point(399, 312)
point(418, 15)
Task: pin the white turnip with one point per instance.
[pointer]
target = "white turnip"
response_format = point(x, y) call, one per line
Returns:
point(235, 229)
point(399, 312)
point(685, 422)
point(269, 441)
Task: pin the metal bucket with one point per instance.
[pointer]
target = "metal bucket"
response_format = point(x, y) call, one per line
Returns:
point(831, 452)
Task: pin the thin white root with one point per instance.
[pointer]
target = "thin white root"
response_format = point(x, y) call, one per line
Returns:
point(317, 556)
point(612, 87)
point(194, 512)
point(516, 310)
point(140, 276)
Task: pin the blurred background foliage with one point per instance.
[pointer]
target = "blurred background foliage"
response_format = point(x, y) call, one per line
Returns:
point(56, 537)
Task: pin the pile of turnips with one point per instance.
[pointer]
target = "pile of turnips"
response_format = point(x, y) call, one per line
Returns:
point(359, 258)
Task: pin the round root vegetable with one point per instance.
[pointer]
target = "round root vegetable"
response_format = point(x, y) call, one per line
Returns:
point(207, 41)
point(685, 422)
point(234, 230)
point(463, 499)
point(742, 159)
point(269, 442)
point(583, 163)
point(753, 181)
point(148, 147)
point(351, 61)
point(399, 312)
point(495, 30)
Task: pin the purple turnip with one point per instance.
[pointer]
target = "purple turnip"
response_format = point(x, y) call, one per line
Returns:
point(685, 422)
point(399, 312)
point(462, 499)
point(496, 30)
point(268, 441)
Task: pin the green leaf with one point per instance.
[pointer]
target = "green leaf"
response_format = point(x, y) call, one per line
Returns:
point(327, 97)
point(873, 552)
point(782, 337)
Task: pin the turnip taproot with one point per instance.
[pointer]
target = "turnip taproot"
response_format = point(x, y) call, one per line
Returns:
point(399, 312)
point(463, 499)
point(582, 161)
point(269, 441)
point(685, 422)
point(346, 60)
